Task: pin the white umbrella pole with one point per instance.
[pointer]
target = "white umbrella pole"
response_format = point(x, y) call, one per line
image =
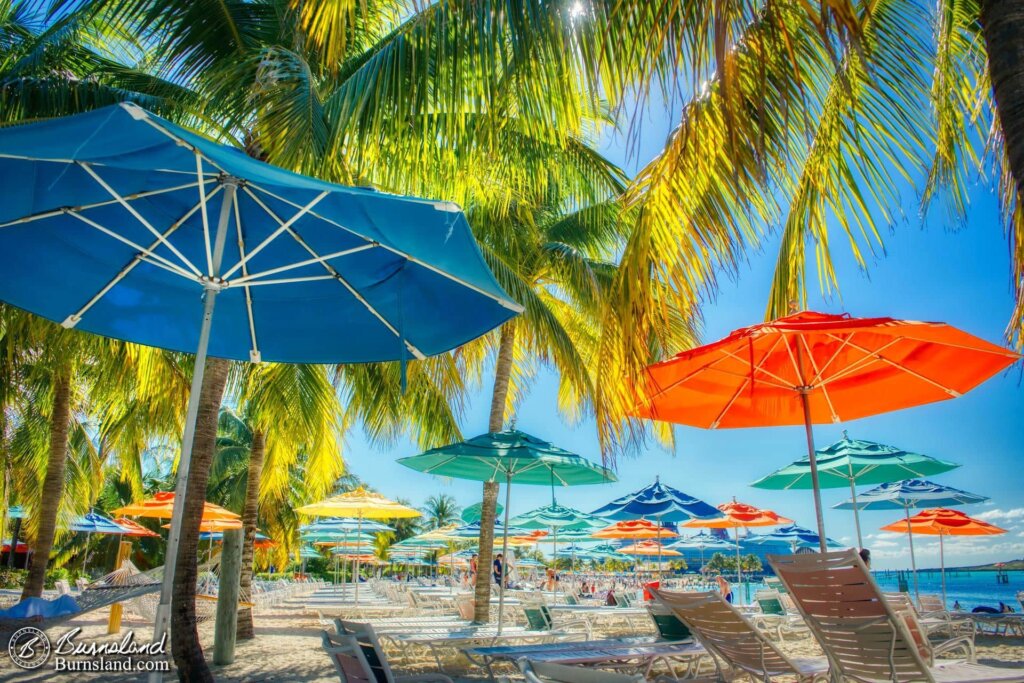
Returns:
point(913, 562)
point(856, 512)
point(812, 456)
point(942, 568)
point(659, 547)
point(739, 567)
point(162, 622)
point(355, 572)
point(554, 543)
point(504, 551)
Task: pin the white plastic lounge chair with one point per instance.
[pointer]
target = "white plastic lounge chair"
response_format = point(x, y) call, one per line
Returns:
point(738, 648)
point(932, 617)
point(546, 672)
point(864, 637)
point(774, 617)
point(351, 661)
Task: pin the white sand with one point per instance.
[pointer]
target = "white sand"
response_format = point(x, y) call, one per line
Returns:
point(287, 648)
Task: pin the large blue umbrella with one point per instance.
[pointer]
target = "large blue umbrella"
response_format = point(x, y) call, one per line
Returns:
point(908, 494)
point(701, 541)
point(663, 503)
point(794, 536)
point(120, 223)
point(93, 523)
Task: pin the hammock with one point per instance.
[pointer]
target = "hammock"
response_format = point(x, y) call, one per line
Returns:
point(91, 599)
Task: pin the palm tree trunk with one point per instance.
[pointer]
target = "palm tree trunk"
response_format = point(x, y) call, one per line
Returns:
point(499, 396)
point(1002, 24)
point(188, 653)
point(53, 484)
point(249, 517)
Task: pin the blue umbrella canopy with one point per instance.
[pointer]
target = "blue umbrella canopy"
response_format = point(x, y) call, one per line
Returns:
point(17, 512)
point(93, 523)
point(793, 535)
point(557, 516)
point(472, 531)
point(911, 493)
point(358, 275)
point(701, 541)
point(660, 502)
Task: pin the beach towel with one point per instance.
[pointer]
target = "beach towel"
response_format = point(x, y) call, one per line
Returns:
point(38, 607)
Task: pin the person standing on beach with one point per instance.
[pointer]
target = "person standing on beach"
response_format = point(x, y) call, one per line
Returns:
point(498, 568)
point(724, 589)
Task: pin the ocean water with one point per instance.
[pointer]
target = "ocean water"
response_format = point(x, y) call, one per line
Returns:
point(970, 588)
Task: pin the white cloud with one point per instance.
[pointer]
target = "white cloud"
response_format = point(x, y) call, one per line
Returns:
point(1012, 515)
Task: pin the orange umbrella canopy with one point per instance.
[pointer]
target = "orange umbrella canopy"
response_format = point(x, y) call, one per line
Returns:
point(161, 506)
point(635, 529)
point(214, 525)
point(848, 367)
point(946, 522)
point(135, 529)
point(649, 548)
point(739, 515)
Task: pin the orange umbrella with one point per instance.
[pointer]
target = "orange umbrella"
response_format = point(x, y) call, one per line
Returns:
point(162, 504)
point(738, 515)
point(649, 548)
point(134, 528)
point(214, 525)
point(635, 529)
point(812, 368)
point(944, 522)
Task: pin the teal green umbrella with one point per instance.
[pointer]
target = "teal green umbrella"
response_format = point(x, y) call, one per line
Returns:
point(558, 518)
point(472, 513)
point(512, 456)
point(849, 462)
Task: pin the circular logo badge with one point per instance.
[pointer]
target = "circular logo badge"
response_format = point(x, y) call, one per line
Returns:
point(29, 648)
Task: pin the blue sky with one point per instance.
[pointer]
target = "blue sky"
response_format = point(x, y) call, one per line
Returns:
point(935, 271)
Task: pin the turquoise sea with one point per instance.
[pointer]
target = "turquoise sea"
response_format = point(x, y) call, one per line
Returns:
point(970, 588)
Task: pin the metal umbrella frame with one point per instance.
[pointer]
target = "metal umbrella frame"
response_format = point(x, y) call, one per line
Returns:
point(852, 462)
point(812, 368)
point(907, 495)
point(511, 455)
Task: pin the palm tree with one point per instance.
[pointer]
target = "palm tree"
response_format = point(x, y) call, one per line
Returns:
point(440, 510)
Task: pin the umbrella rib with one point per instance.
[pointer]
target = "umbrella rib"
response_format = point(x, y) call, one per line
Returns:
point(337, 276)
point(206, 217)
point(76, 317)
point(817, 373)
point(780, 382)
point(18, 157)
point(138, 216)
point(303, 210)
point(817, 377)
point(96, 205)
point(506, 303)
point(144, 253)
point(254, 352)
point(299, 264)
point(899, 366)
point(864, 361)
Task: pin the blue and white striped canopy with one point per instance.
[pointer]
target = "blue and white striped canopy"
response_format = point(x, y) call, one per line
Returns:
point(792, 535)
point(660, 502)
point(557, 516)
point(93, 523)
point(911, 493)
point(700, 541)
point(110, 221)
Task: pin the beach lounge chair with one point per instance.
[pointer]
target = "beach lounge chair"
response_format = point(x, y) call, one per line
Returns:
point(932, 617)
point(774, 617)
point(738, 648)
point(864, 637)
point(540, 618)
point(351, 661)
point(547, 672)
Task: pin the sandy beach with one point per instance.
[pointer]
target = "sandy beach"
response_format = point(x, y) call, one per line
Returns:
point(287, 648)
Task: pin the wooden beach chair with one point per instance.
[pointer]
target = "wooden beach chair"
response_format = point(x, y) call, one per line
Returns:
point(353, 665)
point(863, 636)
point(738, 648)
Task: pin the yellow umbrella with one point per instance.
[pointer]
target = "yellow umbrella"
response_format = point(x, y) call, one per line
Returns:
point(359, 504)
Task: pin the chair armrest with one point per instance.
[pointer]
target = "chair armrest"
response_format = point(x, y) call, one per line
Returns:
point(964, 643)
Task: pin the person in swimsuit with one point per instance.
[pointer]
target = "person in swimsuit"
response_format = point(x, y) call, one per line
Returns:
point(724, 589)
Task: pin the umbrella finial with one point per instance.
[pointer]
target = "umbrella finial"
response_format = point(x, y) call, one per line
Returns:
point(846, 436)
